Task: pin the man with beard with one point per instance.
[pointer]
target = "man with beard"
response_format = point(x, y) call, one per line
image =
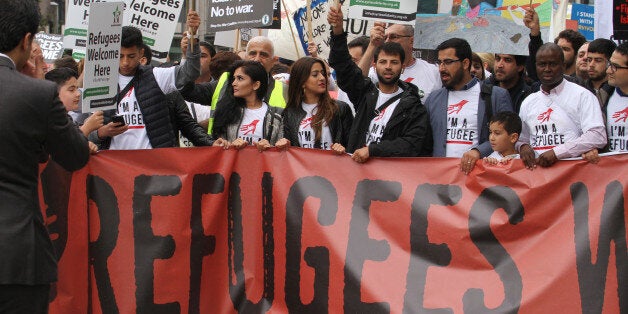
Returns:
point(390, 120)
point(415, 71)
point(460, 111)
point(598, 55)
point(563, 119)
point(509, 72)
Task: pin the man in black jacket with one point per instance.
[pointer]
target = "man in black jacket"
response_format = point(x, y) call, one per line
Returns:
point(390, 119)
point(33, 123)
point(143, 101)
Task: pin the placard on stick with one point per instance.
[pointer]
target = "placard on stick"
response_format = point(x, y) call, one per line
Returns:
point(102, 56)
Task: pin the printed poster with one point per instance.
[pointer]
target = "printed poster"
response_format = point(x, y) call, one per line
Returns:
point(585, 16)
point(391, 11)
point(233, 14)
point(102, 56)
point(51, 46)
point(156, 19)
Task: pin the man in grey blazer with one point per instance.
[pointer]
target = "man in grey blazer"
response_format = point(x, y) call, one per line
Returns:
point(459, 112)
point(33, 123)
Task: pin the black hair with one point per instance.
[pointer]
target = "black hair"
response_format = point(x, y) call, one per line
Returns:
point(208, 46)
point(148, 53)
point(510, 120)
point(362, 42)
point(19, 17)
point(391, 48)
point(623, 48)
point(461, 46)
point(66, 62)
point(61, 75)
point(131, 37)
point(576, 39)
point(554, 47)
point(603, 46)
point(228, 114)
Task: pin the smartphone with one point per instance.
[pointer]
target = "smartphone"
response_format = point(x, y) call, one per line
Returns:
point(118, 119)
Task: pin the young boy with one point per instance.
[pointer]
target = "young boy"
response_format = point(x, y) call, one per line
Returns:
point(70, 95)
point(504, 129)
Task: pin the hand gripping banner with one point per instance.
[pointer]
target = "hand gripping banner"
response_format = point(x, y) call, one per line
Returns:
point(203, 230)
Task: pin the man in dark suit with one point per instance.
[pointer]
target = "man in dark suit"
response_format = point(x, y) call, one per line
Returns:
point(33, 123)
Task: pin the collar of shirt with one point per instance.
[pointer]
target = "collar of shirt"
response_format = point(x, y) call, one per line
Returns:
point(468, 86)
point(620, 93)
point(3, 55)
point(556, 90)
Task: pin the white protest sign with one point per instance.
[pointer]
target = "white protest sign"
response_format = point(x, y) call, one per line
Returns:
point(320, 28)
point(157, 19)
point(103, 56)
point(391, 11)
point(51, 46)
point(233, 14)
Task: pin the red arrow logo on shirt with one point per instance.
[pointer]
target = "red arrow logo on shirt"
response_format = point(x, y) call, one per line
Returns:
point(455, 108)
point(621, 115)
point(545, 116)
point(249, 128)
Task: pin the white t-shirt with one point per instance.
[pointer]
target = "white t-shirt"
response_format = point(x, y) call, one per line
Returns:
point(616, 122)
point(198, 112)
point(136, 137)
point(306, 132)
point(422, 74)
point(463, 131)
point(500, 157)
point(378, 124)
point(554, 119)
point(252, 126)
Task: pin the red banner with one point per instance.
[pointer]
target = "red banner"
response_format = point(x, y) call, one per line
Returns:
point(202, 230)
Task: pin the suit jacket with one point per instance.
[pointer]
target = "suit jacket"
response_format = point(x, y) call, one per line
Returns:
point(436, 105)
point(33, 122)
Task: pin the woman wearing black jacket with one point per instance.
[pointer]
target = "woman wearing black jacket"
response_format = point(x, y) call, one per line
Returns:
point(311, 118)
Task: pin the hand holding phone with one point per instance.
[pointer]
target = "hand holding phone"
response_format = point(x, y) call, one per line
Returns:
point(118, 119)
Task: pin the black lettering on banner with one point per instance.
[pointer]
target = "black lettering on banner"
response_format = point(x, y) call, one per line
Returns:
point(201, 245)
point(490, 200)
point(148, 246)
point(425, 253)
point(361, 248)
point(105, 199)
point(237, 291)
point(592, 277)
point(55, 183)
point(315, 257)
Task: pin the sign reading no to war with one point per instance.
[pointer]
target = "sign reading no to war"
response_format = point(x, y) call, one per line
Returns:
point(103, 56)
point(206, 230)
point(233, 14)
point(157, 19)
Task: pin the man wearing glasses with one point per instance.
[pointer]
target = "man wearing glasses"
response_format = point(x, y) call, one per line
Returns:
point(598, 54)
point(415, 71)
point(616, 111)
point(563, 119)
point(460, 111)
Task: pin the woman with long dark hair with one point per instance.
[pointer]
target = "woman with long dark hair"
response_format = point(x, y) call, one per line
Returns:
point(312, 119)
point(248, 120)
